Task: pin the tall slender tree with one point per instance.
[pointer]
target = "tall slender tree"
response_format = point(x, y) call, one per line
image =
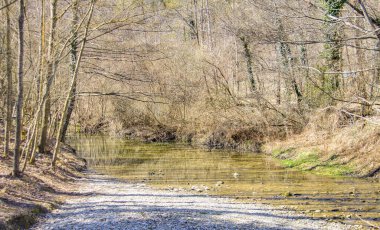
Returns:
point(70, 92)
point(375, 25)
point(73, 61)
point(19, 103)
point(49, 77)
point(39, 82)
point(8, 120)
point(248, 57)
point(333, 45)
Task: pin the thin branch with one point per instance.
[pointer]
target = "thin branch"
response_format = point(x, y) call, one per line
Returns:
point(118, 95)
point(359, 11)
point(8, 5)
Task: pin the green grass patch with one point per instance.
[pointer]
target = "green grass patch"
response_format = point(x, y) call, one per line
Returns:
point(334, 170)
point(302, 161)
point(309, 161)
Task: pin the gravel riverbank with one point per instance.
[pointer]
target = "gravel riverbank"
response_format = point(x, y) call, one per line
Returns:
point(107, 203)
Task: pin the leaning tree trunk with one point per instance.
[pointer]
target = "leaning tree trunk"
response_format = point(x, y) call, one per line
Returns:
point(73, 60)
point(19, 103)
point(8, 120)
point(72, 86)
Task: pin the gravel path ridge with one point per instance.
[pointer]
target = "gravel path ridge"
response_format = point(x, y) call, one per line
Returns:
point(108, 203)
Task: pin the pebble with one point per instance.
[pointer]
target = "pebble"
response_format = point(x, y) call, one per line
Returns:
point(121, 205)
point(219, 183)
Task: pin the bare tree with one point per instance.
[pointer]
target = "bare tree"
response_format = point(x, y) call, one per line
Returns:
point(39, 84)
point(376, 31)
point(19, 103)
point(73, 61)
point(9, 106)
point(49, 78)
point(248, 56)
point(72, 86)
point(333, 45)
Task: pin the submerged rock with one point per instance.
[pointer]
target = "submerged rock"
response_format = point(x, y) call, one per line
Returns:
point(236, 175)
point(219, 183)
point(206, 188)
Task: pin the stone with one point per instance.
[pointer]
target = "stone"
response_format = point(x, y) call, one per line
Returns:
point(219, 183)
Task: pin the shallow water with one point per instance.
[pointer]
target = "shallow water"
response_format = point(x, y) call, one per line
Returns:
point(245, 176)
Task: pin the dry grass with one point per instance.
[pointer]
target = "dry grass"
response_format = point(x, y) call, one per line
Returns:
point(336, 139)
point(38, 190)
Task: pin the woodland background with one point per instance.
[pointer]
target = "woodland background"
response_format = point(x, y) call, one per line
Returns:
point(227, 73)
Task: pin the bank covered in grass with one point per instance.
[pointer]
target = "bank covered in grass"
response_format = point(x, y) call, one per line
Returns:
point(330, 146)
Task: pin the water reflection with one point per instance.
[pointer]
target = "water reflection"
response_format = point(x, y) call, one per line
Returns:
point(239, 175)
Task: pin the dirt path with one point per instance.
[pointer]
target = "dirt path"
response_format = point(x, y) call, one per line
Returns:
point(111, 204)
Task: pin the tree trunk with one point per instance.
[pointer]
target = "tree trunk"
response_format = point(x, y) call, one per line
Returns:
point(73, 60)
point(333, 46)
point(304, 61)
point(196, 23)
point(361, 80)
point(376, 75)
point(49, 78)
point(210, 40)
point(72, 87)
point(8, 120)
point(285, 56)
point(45, 126)
point(40, 79)
point(376, 55)
point(248, 57)
point(19, 103)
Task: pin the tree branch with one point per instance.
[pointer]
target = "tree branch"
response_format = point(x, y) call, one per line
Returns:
point(8, 5)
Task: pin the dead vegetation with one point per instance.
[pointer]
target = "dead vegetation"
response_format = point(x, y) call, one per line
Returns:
point(338, 137)
point(233, 74)
point(38, 190)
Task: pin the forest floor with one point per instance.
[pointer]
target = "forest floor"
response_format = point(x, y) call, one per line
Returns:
point(107, 203)
point(38, 190)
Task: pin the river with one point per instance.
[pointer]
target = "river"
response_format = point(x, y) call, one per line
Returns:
point(249, 177)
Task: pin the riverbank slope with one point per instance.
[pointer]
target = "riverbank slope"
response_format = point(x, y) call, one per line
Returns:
point(330, 142)
point(352, 150)
point(39, 189)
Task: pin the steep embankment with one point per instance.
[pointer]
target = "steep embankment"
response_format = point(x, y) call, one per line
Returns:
point(39, 190)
